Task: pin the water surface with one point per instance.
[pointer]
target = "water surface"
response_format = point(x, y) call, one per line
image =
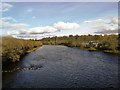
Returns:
point(62, 67)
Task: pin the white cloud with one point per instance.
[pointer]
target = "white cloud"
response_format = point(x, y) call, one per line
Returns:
point(18, 25)
point(13, 32)
point(107, 29)
point(109, 20)
point(96, 22)
point(113, 20)
point(66, 26)
point(104, 26)
point(40, 30)
point(46, 29)
point(18, 30)
point(5, 7)
point(13, 26)
point(107, 32)
point(35, 30)
point(9, 26)
point(5, 23)
point(8, 19)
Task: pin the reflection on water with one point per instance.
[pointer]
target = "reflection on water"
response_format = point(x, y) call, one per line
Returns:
point(61, 66)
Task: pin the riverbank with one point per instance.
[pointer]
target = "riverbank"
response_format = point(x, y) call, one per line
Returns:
point(14, 49)
point(93, 49)
point(9, 65)
point(106, 43)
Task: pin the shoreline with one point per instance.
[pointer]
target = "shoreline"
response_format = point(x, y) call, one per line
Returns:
point(7, 63)
point(33, 49)
point(14, 49)
point(105, 51)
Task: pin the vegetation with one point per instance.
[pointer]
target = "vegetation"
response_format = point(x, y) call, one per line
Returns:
point(13, 49)
point(106, 43)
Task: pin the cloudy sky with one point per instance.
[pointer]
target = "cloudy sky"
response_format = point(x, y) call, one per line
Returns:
point(40, 19)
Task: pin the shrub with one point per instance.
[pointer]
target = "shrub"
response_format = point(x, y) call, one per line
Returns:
point(13, 49)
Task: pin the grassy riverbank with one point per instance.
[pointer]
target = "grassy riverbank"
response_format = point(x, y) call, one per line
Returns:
point(106, 43)
point(13, 49)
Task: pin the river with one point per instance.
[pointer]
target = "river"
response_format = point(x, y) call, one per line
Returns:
point(59, 66)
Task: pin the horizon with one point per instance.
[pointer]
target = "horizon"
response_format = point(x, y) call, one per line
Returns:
point(38, 19)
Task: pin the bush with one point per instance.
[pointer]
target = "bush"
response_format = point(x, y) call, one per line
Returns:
point(13, 49)
point(89, 42)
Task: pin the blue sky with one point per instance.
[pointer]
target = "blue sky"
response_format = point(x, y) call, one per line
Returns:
point(34, 19)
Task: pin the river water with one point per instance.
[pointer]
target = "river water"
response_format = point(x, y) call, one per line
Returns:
point(63, 67)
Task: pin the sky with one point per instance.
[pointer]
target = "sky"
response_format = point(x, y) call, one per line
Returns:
point(43, 19)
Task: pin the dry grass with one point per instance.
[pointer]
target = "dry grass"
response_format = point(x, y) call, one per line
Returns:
point(13, 49)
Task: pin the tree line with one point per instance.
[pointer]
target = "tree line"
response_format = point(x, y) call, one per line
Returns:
point(106, 43)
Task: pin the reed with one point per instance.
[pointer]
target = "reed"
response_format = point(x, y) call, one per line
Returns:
point(13, 49)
